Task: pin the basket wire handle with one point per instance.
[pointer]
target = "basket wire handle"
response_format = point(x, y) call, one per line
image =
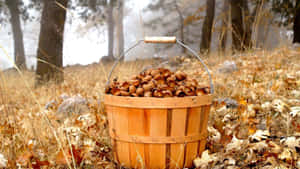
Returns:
point(164, 39)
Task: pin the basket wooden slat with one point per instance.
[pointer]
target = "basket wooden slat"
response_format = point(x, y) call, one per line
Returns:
point(158, 103)
point(137, 126)
point(193, 122)
point(157, 126)
point(178, 129)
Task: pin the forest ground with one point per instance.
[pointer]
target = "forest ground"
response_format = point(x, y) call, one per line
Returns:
point(254, 121)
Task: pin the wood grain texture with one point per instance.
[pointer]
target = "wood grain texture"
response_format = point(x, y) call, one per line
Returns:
point(158, 103)
point(136, 127)
point(177, 129)
point(121, 127)
point(192, 128)
point(157, 127)
point(110, 111)
point(160, 39)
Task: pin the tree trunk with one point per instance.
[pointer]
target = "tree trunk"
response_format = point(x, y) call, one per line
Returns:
point(181, 25)
point(19, 53)
point(248, 23)
point(296, 26)
point(261, 24)
point(120, 28)
point(110, 23)
point(225, 22)
point(50, 48)
point(237, 25)
point(207, 26)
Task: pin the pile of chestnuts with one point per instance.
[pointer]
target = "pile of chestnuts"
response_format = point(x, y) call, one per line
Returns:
point(159, 82)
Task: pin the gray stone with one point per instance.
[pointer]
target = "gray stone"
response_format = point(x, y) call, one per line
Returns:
point(228, 67)
point(230, 103)
point(72, 105)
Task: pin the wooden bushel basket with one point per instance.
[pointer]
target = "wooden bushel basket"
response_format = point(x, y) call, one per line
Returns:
point(157, 133)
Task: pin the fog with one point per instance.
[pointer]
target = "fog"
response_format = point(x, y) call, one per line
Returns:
point(85, 44)
point(82, 44)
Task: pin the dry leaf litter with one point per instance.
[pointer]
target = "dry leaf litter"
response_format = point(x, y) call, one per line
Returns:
point(254, 120)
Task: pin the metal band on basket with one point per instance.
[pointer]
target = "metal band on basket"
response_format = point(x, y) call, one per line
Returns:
point(160, 140)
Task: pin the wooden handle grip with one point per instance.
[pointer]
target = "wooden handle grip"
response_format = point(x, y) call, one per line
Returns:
point(160, 39)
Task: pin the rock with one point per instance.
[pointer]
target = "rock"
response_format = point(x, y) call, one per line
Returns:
point(228, 67)
point(72, 105)
point(230, 103)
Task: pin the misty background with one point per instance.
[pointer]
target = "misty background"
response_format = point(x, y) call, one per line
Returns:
point(85, 43)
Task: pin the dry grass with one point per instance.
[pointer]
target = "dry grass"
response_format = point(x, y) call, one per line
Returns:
point(31, 136)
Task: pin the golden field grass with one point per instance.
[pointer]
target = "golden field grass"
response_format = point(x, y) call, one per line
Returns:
point(32, 137)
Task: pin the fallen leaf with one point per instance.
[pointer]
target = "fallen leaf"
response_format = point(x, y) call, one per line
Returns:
point(205, 160)
point(235, 144)
point(260, 135)
point(295, 111)
point(290, 142)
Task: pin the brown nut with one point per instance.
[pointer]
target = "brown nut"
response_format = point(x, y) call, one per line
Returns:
point(125, 85)
point(148, 94)
point(200, 92)
point(148, 87)
point(166, 74)
point(189, 91)
point(160, 82)
point(172, 84)
point(207, 90)
point(115, 91)
point(157, 77)
point(180, 76)
point(179, 93)
point(147, 78)
point(188, 83)
point(167, 93)
point(140, 91)
point(172, 78)
point(157, 93)
point(134, 82)
point(154, 72)
point(132, 89)
point(134, 95)
point(148, 71)
point(194, 82)
point(162, 87)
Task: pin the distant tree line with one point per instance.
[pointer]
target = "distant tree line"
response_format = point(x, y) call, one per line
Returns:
point(236, 12)
point(52, 21)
